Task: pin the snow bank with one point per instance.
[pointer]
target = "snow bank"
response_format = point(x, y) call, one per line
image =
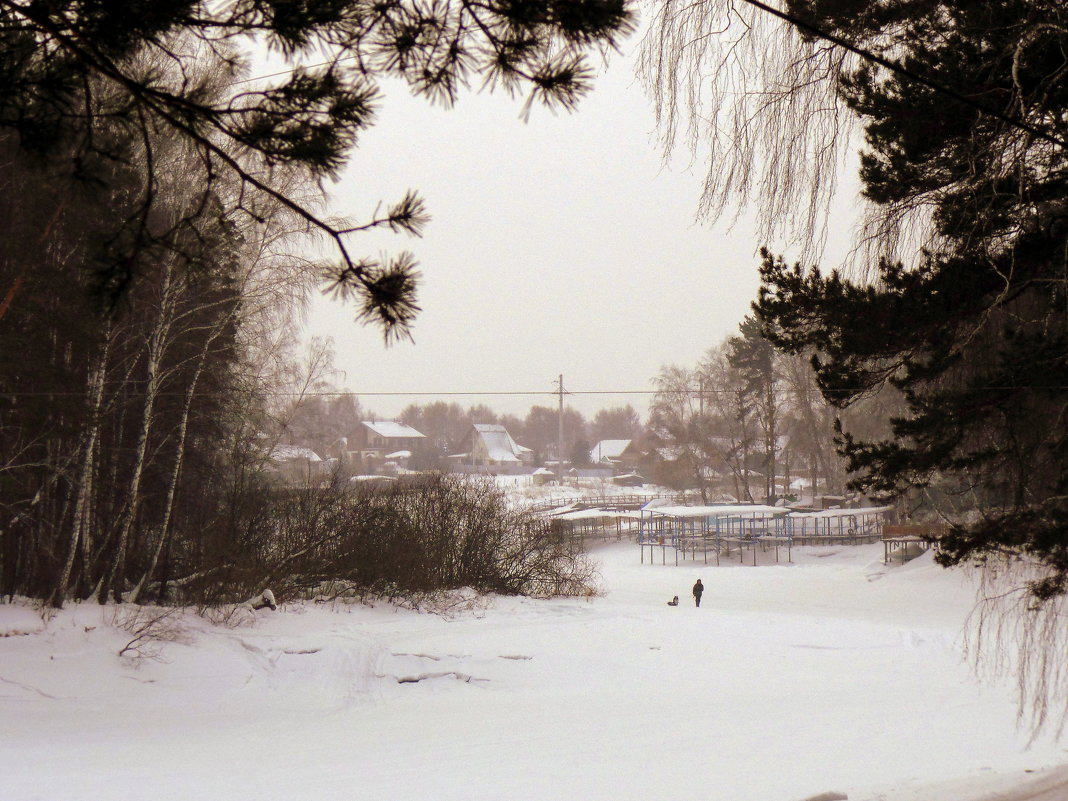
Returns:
point(833, 675)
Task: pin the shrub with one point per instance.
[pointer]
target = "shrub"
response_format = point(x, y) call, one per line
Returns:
point(407, 540)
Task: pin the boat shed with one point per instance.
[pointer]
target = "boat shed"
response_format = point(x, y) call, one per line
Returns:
point(833, 526)
point(597, 523)
point(711, 529)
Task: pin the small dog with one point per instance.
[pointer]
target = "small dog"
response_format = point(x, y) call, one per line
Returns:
point(674, 601)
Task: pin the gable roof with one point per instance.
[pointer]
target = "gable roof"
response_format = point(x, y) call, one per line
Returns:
point(608, 449)
point(500, 447)
point(391, 429)
point(292, 453)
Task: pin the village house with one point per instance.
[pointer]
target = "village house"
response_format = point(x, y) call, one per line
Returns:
point(293, 464)
point(379, 443)
point(622, 455)
point(489, 448)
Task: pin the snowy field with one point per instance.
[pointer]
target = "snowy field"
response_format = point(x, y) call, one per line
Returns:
point(832, 676)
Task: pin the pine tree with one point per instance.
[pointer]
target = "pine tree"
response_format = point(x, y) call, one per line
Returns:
point(83, 84)
point(975, 334)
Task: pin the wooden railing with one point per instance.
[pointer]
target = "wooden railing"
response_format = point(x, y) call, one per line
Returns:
point(613, 501)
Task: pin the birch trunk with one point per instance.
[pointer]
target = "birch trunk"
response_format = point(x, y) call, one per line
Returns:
point(78, 538)
point(157, 344)
point(179, 457)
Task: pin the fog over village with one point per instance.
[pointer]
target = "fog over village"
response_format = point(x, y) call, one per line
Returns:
point(534, 400)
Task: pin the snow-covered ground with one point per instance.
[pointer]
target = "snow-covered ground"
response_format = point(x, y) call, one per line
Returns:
point(832, 675)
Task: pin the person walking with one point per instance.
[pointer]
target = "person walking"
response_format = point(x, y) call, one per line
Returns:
point(698, 590)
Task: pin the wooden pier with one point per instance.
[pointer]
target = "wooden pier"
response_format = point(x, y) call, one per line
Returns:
point(906, 540)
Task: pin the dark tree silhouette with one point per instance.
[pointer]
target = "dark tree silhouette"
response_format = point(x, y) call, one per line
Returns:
point(74, 72)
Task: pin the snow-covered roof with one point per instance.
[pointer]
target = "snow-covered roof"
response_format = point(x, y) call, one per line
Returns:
point(726, 510)
point(500, 447)
point(390, 428)
point(398, 455)
point(290, 453)
point(832, 513)
point(594, 514)
point(608, 449)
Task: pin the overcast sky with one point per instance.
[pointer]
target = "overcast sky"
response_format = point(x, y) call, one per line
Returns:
point(557, 245)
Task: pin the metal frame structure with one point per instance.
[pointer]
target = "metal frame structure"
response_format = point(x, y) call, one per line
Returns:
point(837, 525)
point(711, 529)
point(721, 530)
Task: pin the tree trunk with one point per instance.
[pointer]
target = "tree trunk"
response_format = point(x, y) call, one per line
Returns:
point(79, 523)
point(172, 487)
point(157, 343)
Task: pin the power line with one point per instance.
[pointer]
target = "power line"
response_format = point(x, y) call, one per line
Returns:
point(291, 70)
point(370, 393)
point(398, 393)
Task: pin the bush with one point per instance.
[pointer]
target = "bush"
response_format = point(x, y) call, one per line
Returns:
point(408, 540)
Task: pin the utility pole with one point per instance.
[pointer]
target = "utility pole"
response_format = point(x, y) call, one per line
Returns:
point(560, 432)
point(701, 432)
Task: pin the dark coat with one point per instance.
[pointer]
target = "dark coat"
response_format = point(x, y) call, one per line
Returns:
point(698, 588)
